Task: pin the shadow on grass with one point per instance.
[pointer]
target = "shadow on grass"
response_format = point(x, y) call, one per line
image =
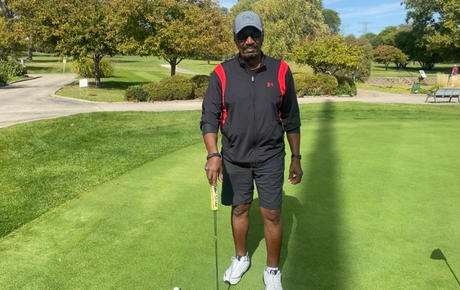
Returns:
point(311, 249)
point(43, 70)
point(114, 84)
point(437, 254)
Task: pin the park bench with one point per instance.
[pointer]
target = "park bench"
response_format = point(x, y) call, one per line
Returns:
point(450, 93)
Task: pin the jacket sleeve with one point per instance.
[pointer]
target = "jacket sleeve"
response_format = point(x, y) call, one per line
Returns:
point(212, 106)
point(290, 107)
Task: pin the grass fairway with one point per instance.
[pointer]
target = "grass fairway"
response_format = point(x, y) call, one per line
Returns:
point(379, 194)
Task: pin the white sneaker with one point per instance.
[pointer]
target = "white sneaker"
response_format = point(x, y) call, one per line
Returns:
point(272, 280)
point(233, 274)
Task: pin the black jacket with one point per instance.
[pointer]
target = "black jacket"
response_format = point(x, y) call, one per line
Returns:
point(252, 108)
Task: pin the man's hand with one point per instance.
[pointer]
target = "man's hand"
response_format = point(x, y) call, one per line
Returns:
point(295, 171)
point(213, 170)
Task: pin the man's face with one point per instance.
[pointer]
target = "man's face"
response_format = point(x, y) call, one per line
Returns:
point(249, 42)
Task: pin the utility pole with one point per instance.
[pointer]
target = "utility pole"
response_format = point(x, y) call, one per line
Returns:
point(365, 24)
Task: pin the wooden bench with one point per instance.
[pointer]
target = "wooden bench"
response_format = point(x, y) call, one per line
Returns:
point(450, 93)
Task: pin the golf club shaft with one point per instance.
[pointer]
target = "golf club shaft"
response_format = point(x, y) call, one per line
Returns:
point(214, 208)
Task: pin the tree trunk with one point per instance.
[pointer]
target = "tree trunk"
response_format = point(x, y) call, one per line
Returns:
point(97, 71)
point(30, 51)
point(173, 63)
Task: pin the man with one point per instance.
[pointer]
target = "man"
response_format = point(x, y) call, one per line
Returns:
point(455, 71)
point(251, 98)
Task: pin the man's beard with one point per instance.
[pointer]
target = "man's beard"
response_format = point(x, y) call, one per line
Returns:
point(250, 55)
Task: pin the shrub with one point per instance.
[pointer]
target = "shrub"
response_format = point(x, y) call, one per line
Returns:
point(315, 85)
point(346, 86)
point(84, 67)
point(136, 94)
point(3, 79)
point(327, 84)
point(304, 84)
point(200, 85)
point(12, 69)
point(171, 88)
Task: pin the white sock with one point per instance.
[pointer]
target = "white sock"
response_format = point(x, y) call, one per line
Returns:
point(269, 269)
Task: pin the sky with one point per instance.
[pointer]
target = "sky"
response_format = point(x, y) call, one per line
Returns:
point(360, 16)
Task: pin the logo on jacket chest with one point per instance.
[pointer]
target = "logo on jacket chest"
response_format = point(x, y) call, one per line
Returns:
point(270, 85)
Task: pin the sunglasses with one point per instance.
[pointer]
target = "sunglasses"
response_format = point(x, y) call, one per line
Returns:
point(254, 34)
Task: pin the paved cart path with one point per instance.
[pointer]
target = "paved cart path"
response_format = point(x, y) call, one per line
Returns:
point(35, 100)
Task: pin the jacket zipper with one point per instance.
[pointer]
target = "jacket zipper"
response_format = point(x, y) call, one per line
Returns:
point(256, 134)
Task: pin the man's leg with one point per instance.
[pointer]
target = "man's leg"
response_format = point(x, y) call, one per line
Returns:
point(273, 232)
point(240, 227)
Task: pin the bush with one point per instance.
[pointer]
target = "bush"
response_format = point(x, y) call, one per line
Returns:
point(171, 88)
point(84, 67)
point(136, 94)
point(327, 84)
point(12, 69)
point(200, 85)
point(315, 85)
point(346, 86)
point(3, 79)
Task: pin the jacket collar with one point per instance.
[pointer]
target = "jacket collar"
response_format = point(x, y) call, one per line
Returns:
point(243, 64)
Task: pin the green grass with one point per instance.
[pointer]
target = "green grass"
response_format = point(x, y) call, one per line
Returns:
point(411, 71)
point(379, 194)
point(44, 164)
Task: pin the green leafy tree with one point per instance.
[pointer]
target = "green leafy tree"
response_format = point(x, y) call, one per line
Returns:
point(287, 23)
point(387, 35)
point(332, 20)
point(185, 29)
point(387, 54)
point(363, 69)
point(330, 54)
point(90, 32)
point(373, 39)
point(437, 23)
point(5, 9)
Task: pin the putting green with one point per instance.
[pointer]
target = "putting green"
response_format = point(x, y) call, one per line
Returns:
point(376, 199)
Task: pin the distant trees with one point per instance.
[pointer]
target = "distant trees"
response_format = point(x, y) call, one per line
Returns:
point(329, 54)
point(186, 29)
point(286, 23)
point(437, 26)
point(387, 54)
point(172, 30)
point(332, 20)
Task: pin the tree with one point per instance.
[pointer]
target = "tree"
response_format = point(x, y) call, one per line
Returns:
point(90, 32)
point(330, 54)
point(5, 9)
point(387, 54)
point(363, 70)
point(185, 29)
point(387, 35)
point(287, 23)
point(437, 22)
point(332, 19)
point(373, 39)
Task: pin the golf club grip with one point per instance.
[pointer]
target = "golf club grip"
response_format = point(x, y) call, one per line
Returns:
point(214, 198)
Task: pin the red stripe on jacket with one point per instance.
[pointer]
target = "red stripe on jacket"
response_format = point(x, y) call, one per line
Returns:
point(223, 80)
point(282, 83)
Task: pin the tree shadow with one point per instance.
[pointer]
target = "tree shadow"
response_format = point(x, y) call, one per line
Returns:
point(312, 256)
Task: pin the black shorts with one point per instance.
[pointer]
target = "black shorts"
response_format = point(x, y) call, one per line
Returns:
point(238, 183)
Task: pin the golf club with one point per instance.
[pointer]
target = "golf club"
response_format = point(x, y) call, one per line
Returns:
point(214, 208)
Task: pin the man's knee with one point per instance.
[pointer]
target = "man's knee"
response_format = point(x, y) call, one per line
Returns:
point(241, 211)
point(272, 216)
